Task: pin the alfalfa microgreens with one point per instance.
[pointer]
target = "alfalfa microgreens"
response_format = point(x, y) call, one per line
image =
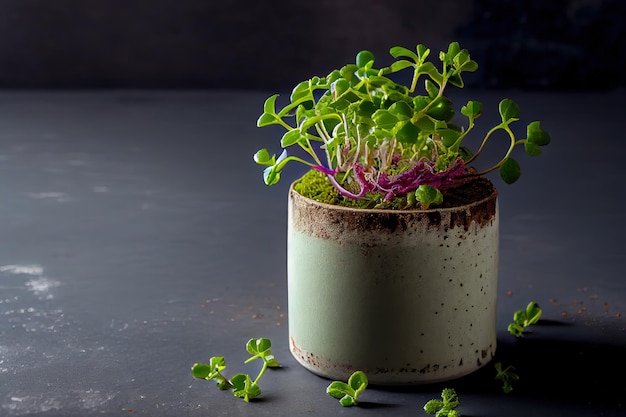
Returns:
point(347, 394)
point(507, 376)
point(243, 385)
point(524, 318)
point(376, 139)
point(446, 407)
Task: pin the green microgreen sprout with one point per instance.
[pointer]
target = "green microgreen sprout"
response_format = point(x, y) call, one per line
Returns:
point(377, 139)
point(212, 371)
point(446, 407)
point(507, 376)
point(243, 385)
point(347, 394)
point(525, 318)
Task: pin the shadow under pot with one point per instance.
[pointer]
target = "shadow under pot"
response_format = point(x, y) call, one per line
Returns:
point(406, 296)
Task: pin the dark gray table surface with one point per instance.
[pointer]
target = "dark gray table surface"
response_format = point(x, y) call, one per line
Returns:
point(137, 237)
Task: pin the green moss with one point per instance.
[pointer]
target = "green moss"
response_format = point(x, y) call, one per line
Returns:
point(315, 185)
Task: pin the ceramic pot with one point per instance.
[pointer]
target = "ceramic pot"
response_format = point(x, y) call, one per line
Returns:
point(408, 297)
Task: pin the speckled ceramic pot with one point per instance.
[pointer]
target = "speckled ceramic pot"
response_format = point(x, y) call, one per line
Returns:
point(408, 297)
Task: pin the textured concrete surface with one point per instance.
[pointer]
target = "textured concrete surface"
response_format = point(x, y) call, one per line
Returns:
point(138, 238)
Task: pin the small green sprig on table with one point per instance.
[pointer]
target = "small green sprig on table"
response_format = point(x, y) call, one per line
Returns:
point(243, 385)
point(446, 407)
point(525, 318)
point(347, 394)
point(507, 376)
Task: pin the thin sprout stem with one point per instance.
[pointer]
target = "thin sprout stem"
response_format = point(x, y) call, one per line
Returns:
point(414, 82)
point(263, 369)
point(484, 142)
point(309, 150)
point(294, 158)
point(506, 156)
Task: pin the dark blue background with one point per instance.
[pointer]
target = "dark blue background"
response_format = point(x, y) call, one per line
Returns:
point(270, 45)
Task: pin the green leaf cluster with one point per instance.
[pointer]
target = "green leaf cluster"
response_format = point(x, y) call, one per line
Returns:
point(507, 376)
point(361, 115)
point(446, 407)
point(347, 394)
point(243, 385)
point(525, 318)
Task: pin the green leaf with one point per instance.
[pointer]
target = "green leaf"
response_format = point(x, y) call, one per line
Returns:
point(432, 406)
point(533, 313)
point(251, 347)
point(270, 104)
point(267, 119)
point(456, 80)
point(441, 109)
point(427, 195)
point(333, 76)
point(446, 406)
point(532, 149)
point(472, 109)
point(525, 318)
point(519, 316)
point(536, 135)
point(450, 399)
point(337, 389)
point(425, 124)
point(461, 58)
point(365, 109)
point(430, 69)
point(258, 346)
point(347, 71)
point(463, 63)
point(347, 393)
point(262, 157)
point(453, 49)
point(506, 376)
point(399, 51)
point(420, 103)
point(239, 381)
point(469, 66)
point(515, 329)
point(358, 381)
point(510, 171)
point(363, 58)
point(271, 175)
point(401, 110)
point(400, 65)
point(422, 51)
point(408, 133)
point(201, 370)
point(263, 345)
point(301, 91)
point(384, 119)
point(218, 363)
point(244, 387)
point(449, 136)
point(509, 110)
point(301, 113)
point(340, 86)
point(269, 116)
point(431, 88)
point(347, 401)
point(290, 137)
point(271, 361)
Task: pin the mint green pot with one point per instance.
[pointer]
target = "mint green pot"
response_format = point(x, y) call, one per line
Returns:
point(408, 297)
